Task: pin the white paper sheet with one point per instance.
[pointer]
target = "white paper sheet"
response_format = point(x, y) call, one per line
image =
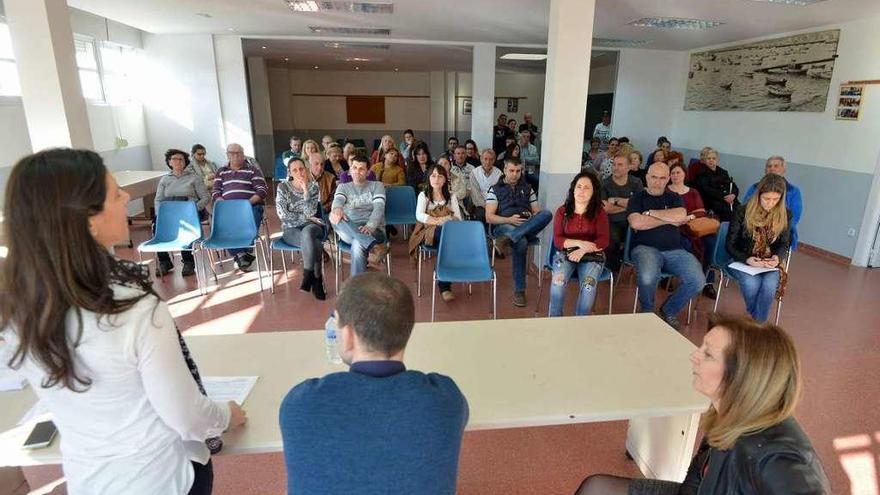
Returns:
point(751, 270)
point(227, 388)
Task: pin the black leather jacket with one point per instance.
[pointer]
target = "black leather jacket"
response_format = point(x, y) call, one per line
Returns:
point(776, 461)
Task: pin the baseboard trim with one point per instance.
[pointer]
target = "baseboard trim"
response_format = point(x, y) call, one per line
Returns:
point(822, 253)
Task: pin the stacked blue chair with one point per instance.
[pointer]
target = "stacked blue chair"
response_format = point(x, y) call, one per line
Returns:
point(233, 227)
point(462, 257)
point(177, 229)
point(628, 261)
point(548, 265)
point(400, 206)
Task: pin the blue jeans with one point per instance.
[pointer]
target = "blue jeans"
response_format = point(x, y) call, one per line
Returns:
point(258, 219)
point(360, 243)
point(588, 277)
point(758, 291)
point(650, 262)
point(519, 239)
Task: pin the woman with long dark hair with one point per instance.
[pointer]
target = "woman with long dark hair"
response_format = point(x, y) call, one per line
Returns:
point(96, 343)
point(751, 442)
point(435, 206)
point(580, 234)
point(417, 168)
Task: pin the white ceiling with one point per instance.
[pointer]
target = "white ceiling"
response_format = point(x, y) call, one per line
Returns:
point(514, 22)
point(494, 21)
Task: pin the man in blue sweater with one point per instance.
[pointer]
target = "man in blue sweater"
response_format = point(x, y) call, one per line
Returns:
point(377, 428)
point(793, 199)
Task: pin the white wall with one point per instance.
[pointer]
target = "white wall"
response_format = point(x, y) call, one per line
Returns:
point(602, 79)
point(836, 144)
point(647, 96)
point(182, 102)
point(530, 87)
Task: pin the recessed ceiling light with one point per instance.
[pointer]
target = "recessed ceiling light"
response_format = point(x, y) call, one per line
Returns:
point(357, 68)
point(524, 56)
point(315, 67)
point(350, 30)
point(286, 59)
point(263, 47)
point(791, 2)
point(674, 23)
point(617, 42)
point(203, 14)
point(230, 29)
point(337, 6)
point(369, 46)
point(396, 69)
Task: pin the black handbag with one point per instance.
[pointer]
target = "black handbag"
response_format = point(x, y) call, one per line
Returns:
point(595, 257)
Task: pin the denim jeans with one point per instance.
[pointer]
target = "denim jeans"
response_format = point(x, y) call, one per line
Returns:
point(588, 278)
point(519, 237)
point(650, 262)
point(360, 243)
point(258, 219)
point(758, 291)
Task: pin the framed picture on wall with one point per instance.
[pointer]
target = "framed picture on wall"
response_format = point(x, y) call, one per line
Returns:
point(466, 106)
point(849, 101)
point(512, 105)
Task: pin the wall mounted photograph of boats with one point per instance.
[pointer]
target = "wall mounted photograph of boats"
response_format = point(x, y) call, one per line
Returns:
point(789, 74)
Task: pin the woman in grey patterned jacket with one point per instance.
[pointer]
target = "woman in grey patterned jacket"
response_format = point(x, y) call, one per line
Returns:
point(298, 205)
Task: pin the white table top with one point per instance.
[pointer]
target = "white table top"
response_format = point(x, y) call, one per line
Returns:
point(514, 373)
point(127, 178)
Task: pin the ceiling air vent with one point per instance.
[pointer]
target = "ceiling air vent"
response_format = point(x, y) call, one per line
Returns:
point(800, 3)
point(617, 43)
point(344, 7)
point(350, 30)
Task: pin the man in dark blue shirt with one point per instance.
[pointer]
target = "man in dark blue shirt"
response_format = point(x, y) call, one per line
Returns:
point(654, 214)
point(378, 428)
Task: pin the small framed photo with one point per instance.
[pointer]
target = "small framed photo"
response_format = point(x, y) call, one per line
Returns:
point(466, 106)
point(849, 101)
point(512, 105)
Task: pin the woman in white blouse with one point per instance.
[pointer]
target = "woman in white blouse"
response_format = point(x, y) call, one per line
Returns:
point(435, 206)
point(96, 343)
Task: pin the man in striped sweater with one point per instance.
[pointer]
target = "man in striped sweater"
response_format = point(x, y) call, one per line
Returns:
point(241, 180)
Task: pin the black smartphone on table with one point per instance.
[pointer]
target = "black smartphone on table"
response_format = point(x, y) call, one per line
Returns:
point(41, 436)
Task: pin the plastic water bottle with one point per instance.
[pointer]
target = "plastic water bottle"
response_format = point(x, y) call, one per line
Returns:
point(330, 341)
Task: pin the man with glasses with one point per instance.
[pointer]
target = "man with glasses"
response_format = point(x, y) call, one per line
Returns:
point(241, 180)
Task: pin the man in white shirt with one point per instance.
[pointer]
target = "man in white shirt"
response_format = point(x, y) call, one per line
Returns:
point(462, 169)
point(528, 152)
point(481, 180)
point(602, 131)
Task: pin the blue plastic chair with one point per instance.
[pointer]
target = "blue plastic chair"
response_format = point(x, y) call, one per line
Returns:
point(233, 227)
point(280, 168)
point(400, 206)
point(628, 261)
point(341, 246)
point(548, 265)
point(177, 229)
point(424, 252)
point(721, 259)
point(278, 244)
point(462, 257)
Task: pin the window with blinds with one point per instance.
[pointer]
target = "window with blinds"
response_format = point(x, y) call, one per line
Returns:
point(87, 66)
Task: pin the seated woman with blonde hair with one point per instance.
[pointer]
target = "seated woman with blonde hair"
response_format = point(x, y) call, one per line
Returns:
point(752, 443)
point(759, 236)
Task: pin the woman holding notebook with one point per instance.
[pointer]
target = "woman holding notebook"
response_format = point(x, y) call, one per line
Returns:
point(759, 236)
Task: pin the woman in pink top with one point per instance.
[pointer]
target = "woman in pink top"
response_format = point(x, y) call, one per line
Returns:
point(580, 234)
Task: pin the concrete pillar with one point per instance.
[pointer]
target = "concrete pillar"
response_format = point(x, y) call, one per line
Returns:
point(264, 144)
point(232, 84)
point(54, 107)
point(436, 137)
point(565, 96)
point(452, 105)
point(483, 110)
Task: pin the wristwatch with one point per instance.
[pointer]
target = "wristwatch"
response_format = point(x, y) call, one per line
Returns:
point(614, 202)
point(647, 213)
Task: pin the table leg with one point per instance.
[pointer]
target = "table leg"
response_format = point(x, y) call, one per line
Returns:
point(662, 447)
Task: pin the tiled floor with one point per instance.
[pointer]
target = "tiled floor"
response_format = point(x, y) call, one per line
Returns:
point(831, 311)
